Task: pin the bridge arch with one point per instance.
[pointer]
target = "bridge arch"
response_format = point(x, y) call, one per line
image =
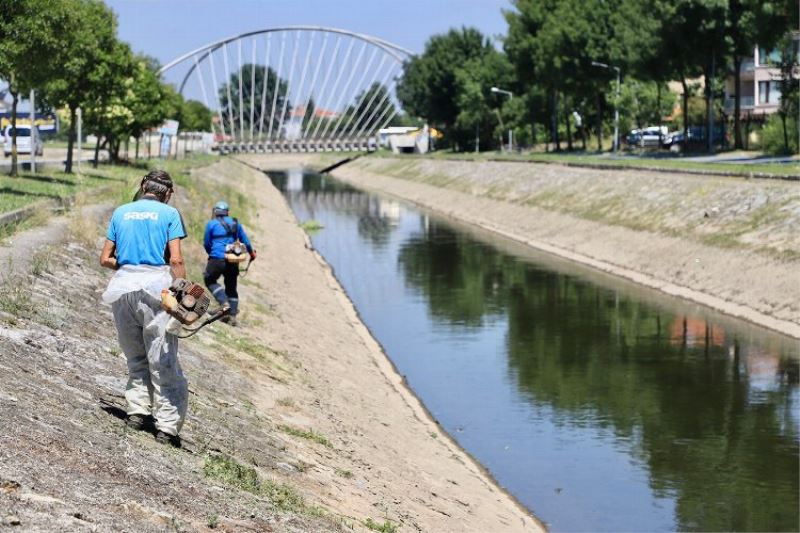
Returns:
point(295, 88)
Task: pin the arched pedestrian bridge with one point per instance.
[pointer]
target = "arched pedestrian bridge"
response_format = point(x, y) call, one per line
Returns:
point(295, 88)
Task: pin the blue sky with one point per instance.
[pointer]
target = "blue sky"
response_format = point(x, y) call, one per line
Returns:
point(167, 29)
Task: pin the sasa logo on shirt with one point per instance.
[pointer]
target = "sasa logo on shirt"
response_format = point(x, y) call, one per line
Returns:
point(141, 215)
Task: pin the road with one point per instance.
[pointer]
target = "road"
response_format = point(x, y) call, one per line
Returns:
point(52, 156)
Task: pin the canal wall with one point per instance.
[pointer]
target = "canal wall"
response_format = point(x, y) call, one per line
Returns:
point(727, 243)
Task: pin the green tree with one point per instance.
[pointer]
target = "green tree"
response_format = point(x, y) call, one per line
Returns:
point(194, 116)
point(643, 103)
point(553, 43)
point(430, 87)
point(481, 112)
point(240, 120)
point(31, 51)
point(88, 38)
point(134, 103)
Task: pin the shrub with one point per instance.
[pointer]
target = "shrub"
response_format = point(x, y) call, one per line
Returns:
point(772, 138)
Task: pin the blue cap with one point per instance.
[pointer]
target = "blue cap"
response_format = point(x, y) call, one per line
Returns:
point(221, 206)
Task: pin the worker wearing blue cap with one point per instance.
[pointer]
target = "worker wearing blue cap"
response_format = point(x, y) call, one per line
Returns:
point(225, 242)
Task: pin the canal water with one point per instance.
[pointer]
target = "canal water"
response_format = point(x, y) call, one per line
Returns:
point(600, 405)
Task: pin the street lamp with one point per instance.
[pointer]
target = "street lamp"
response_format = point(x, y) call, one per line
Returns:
point(616, 102)
point(510, 96)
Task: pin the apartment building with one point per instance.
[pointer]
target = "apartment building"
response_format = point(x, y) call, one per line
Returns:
point(759, 84)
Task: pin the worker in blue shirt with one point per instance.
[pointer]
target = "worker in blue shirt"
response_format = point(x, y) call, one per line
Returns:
point(143, 246)
point(225, 242)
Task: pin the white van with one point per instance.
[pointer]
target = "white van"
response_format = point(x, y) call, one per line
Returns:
point(24, 140)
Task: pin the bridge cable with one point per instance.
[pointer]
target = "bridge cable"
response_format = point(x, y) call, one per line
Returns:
point(239, 75)
point(311, 88)
point(336, 84)
point(203, 90)
point(264, 85)
point(360, 83)
point(382, 84)
point(369, 120)
point(219, 106)
point(322, 93)
point(366, 108)
point(289, 81)
point(303, 82)
point(252, 86)
point(379, 126)
point(343, 96)
point(277, 88)
point(228, 87)
point(348, 131)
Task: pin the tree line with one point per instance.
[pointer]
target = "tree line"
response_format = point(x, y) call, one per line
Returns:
point(69, 52)
point(559, 59)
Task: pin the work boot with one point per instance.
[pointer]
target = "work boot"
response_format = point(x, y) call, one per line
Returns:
point(136, 422)
point(165, 438)
point(232, 322)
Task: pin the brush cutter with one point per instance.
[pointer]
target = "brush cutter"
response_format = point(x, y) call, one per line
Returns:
point(187, 303)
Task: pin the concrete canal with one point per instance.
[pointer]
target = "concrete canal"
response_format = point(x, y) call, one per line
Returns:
point(601, 406)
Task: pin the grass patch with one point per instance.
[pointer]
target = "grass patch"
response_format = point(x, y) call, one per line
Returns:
point(241, 343)
point(16, 298)
point(29, 188)
point(309, 434)
point(228, 471)
point(311, 226)
point(387, 526)
point(285, 402)
point(344, 473)
point(666, 162)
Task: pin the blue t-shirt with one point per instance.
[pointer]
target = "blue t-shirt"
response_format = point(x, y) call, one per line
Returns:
point(217, 236)
point(141, 230)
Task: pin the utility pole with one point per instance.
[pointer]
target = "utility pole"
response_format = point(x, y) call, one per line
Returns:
point(79, 118)
point(510, 134)
point(34, 135)
point(616, 101)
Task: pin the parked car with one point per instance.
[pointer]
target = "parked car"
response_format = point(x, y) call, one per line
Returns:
point(649, 136)
point(24, 140)
point(633, 138)
point(675, 141)
point(653, 135)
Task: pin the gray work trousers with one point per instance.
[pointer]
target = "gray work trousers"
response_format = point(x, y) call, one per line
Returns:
point(155, 381)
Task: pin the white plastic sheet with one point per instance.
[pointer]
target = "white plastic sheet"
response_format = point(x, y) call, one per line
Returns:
point(130, 278)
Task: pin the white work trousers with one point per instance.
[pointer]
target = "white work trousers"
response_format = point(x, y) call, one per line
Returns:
point(155, 381)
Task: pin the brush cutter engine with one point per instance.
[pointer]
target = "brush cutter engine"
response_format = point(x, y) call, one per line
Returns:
point(185, 301)
point(235, 252)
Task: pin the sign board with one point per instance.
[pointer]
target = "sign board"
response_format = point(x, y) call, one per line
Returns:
point(170, 127)
point(48, 125)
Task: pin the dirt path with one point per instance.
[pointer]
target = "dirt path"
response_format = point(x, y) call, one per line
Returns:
point(18, 251)
point(648, 228)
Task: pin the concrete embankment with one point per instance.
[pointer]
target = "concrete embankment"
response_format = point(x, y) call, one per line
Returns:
point(297, 421)
point(729, 243)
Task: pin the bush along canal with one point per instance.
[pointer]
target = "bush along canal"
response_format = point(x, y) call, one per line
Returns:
point(601, 406)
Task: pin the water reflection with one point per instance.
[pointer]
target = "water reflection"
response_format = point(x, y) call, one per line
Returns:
point(600, 406)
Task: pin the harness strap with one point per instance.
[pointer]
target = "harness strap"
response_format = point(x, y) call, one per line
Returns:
point(232, 230)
